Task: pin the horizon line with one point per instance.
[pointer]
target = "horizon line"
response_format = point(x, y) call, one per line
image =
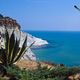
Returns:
point(54, 30)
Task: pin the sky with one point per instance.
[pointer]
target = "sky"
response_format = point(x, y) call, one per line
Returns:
point(46, 15)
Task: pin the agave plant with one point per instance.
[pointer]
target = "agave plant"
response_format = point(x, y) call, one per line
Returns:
point(12, 52)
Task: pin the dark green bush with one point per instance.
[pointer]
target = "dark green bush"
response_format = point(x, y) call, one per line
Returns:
point(13, 71)
point(42, 73)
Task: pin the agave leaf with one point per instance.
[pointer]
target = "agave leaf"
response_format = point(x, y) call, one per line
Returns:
point(1, 53)
point(3, 58)
point(28, 57)
point(21, 50)
point(6, 40)
point(11, 46)
point(31, 45)
point(6, 43)
point(27, 50)
point(15, 51)
point(12, 42)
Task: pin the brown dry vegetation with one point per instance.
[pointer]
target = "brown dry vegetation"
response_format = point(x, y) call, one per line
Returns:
point(27, 64)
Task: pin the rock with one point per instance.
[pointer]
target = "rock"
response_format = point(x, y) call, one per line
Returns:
point(29, 55)
point(77, 76)
point(31, 39)
point(70, 78)
point(38, 41)
point(74, 77)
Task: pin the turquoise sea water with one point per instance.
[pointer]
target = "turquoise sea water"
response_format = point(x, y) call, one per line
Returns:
point(63, 47)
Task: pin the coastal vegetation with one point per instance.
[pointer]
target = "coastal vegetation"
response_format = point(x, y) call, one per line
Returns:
point(11, 53)
point(42, 73)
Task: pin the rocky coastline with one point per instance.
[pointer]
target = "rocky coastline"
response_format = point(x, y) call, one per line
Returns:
point(29, 55)
point(12, 24)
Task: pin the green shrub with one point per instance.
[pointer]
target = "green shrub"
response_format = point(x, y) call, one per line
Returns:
point(43, 73)
point(13, 71)
point(60, 71)
point(1, 78)
point(74, 70)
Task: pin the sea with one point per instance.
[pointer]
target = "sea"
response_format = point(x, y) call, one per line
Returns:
point(63, 47)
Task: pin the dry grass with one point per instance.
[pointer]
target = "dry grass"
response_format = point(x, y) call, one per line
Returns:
point(31, 64)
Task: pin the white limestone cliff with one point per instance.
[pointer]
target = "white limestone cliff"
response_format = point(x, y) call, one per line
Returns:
point(30, 39)
point(11, 24)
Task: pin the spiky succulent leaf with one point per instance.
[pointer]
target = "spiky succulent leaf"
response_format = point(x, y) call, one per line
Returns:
point(11, 45)
point(6, 43)
point(16, 50)
point(21, 52)
point(3, 57)
point(26, 49)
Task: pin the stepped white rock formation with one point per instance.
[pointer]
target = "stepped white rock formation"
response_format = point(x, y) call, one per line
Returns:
point(31, 39)
point(38, 41)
